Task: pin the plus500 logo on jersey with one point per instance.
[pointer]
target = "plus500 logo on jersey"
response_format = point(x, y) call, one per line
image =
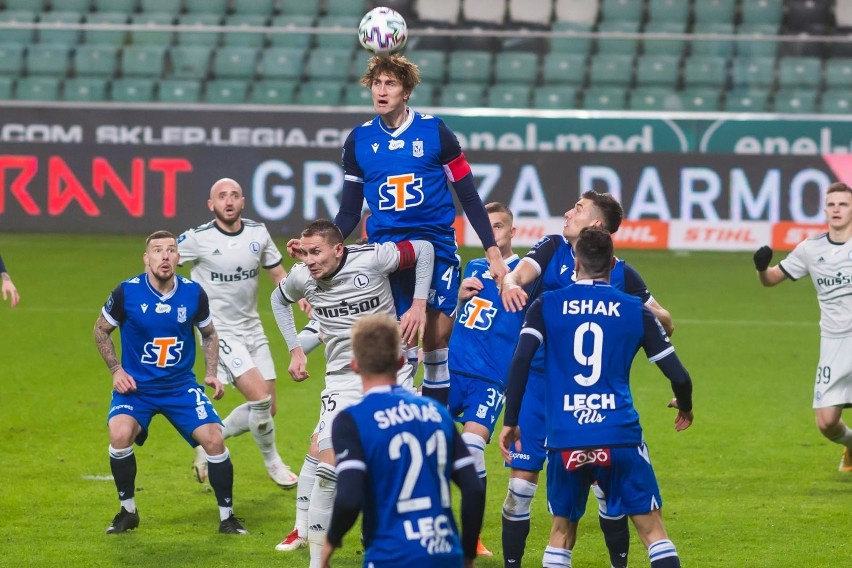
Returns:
point(478, 314)
point(400, 192)
point(162, 352)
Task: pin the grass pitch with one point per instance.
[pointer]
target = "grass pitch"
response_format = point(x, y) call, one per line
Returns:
point(752, 483)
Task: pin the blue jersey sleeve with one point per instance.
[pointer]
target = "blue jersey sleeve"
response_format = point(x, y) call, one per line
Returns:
point(543, 251)
point(352, 197)
point(532, 336)
point(450, 148)
point(351, 477)
point(203, 313)
point(114, 306)
point(634, 284)
point(655, 341)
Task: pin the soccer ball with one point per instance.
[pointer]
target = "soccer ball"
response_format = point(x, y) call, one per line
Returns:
point(383, 31)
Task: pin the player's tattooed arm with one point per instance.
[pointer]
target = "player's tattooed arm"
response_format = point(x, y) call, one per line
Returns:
point(106, 348)
point(210, 348)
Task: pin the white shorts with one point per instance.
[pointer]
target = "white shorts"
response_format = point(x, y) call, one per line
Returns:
point(833, 385)
point(239, 354)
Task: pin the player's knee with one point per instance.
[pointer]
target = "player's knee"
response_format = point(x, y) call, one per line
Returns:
point(260, 418)
point(476, 446)
point(326, 477)
point(519, 498)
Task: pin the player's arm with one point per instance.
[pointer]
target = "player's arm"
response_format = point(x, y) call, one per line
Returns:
point(277, 273)
point(472, 495)
point(768, 275)
point(351, 481)
point(352, 196)
point(282, 309)
point(209, 344)
point(531, 337)
point(420, 255)
point(635, 286)
point(660, 351)
point(8, 287)
point(513, 291)
point(112, 314)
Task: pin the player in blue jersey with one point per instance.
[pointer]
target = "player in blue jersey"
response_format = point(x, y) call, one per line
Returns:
point(400, 162)
point(589, 334)
point(550, 266)
point(157, 312)
point(396, 454)
point(8, 286)
point(481, 346)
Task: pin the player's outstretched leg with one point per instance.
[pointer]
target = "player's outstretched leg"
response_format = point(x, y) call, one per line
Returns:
point(298, 537)
point(319, 511)
point(122, 463)
point(263, 430)
point(516, 520)
point(615, 530)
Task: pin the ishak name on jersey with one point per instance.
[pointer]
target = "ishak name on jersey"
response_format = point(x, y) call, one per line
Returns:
point(574, 307)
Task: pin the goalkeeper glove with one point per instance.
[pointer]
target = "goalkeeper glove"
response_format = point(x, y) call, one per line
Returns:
point(762, 258)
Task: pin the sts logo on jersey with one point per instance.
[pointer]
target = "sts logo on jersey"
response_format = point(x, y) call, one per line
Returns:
point(162, 352)
point(400, 192)
point(478, 314)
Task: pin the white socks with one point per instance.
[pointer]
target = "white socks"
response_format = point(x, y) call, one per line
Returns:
point(237, 422)
point(556, 557)
point(263, 429)
point(303, 494)
point(319, 511)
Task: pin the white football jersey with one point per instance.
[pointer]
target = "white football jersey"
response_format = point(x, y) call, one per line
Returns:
point(227, 265)
point(360, 286)
point(830, 267)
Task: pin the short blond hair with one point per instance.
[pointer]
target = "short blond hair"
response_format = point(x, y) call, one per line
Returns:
point(376, 344)
point(395, 65)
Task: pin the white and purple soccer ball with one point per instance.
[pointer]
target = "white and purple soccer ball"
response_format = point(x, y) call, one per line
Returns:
point(383, 31)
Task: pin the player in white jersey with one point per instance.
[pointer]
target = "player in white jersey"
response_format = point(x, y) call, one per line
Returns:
point(227, 255)
point(342, 283)
point(828, 260)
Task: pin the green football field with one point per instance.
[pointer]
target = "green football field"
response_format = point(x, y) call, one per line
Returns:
point(752, 483)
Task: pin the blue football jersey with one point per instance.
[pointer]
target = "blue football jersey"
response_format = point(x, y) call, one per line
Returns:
point(409, 447)
point(157, 339)
point(404, 177)
point(590, 334)
point(484, 334)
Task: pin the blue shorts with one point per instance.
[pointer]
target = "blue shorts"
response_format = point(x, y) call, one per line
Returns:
point(186, 407)
point(625, 476)
point(444, 290)
point(533, 429)
point(475, 400)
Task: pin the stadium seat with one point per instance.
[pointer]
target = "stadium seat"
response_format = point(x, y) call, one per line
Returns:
point(356, 95)
point(605, 98)
point(747, 100)
point(116, 6)
point(657, 71)
point(805, 15)
point(563, 68)
point(838, 73)
point(664, 46)
point(508, 96)
point(152, 37)
point(265, 7)
point(538, 12)
point(432, 64)
point(753, 72)
point(471, 66)
point(701, 99)
point(550, 97)
point(132, 90)
point(189, 61)
point(807, 45)
point(669, 10)
point(654, 99)
point(836, 101)
point(282, 63)
point(705, 71)
point(289, 38)
point(622, 10)
point(106, 37)
point(179, 91)
point(84, 89)
point(522, 38)
point(352, 8)
point(714, 11)
point(266, 92)
point(37, 89)
point(95, 60)
point(795, 101)
point(462, 95)
point(309, 8)
point(717, 47)
point(799, 72)
point(756, 47)
point(613, 45)
point(199, 22)
point(423, 95)
point(143, 60)
point(78, 6)
point(34, 5)
point(11, 59)
point(235, 63)
point(19, 36)
point(569, 44)
point(576, 11)
point(51, 60)
point(346, 24)
point(161, 6)
point(68, 37)
point(515, 67)
point(762, 12)
point(226, 91)
point(320, 93)
point(611, 70)
point(438, 11)
point(211, 7)
point(238, 22)
point(327, 63)
point(7, 88)
point(484, 11)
